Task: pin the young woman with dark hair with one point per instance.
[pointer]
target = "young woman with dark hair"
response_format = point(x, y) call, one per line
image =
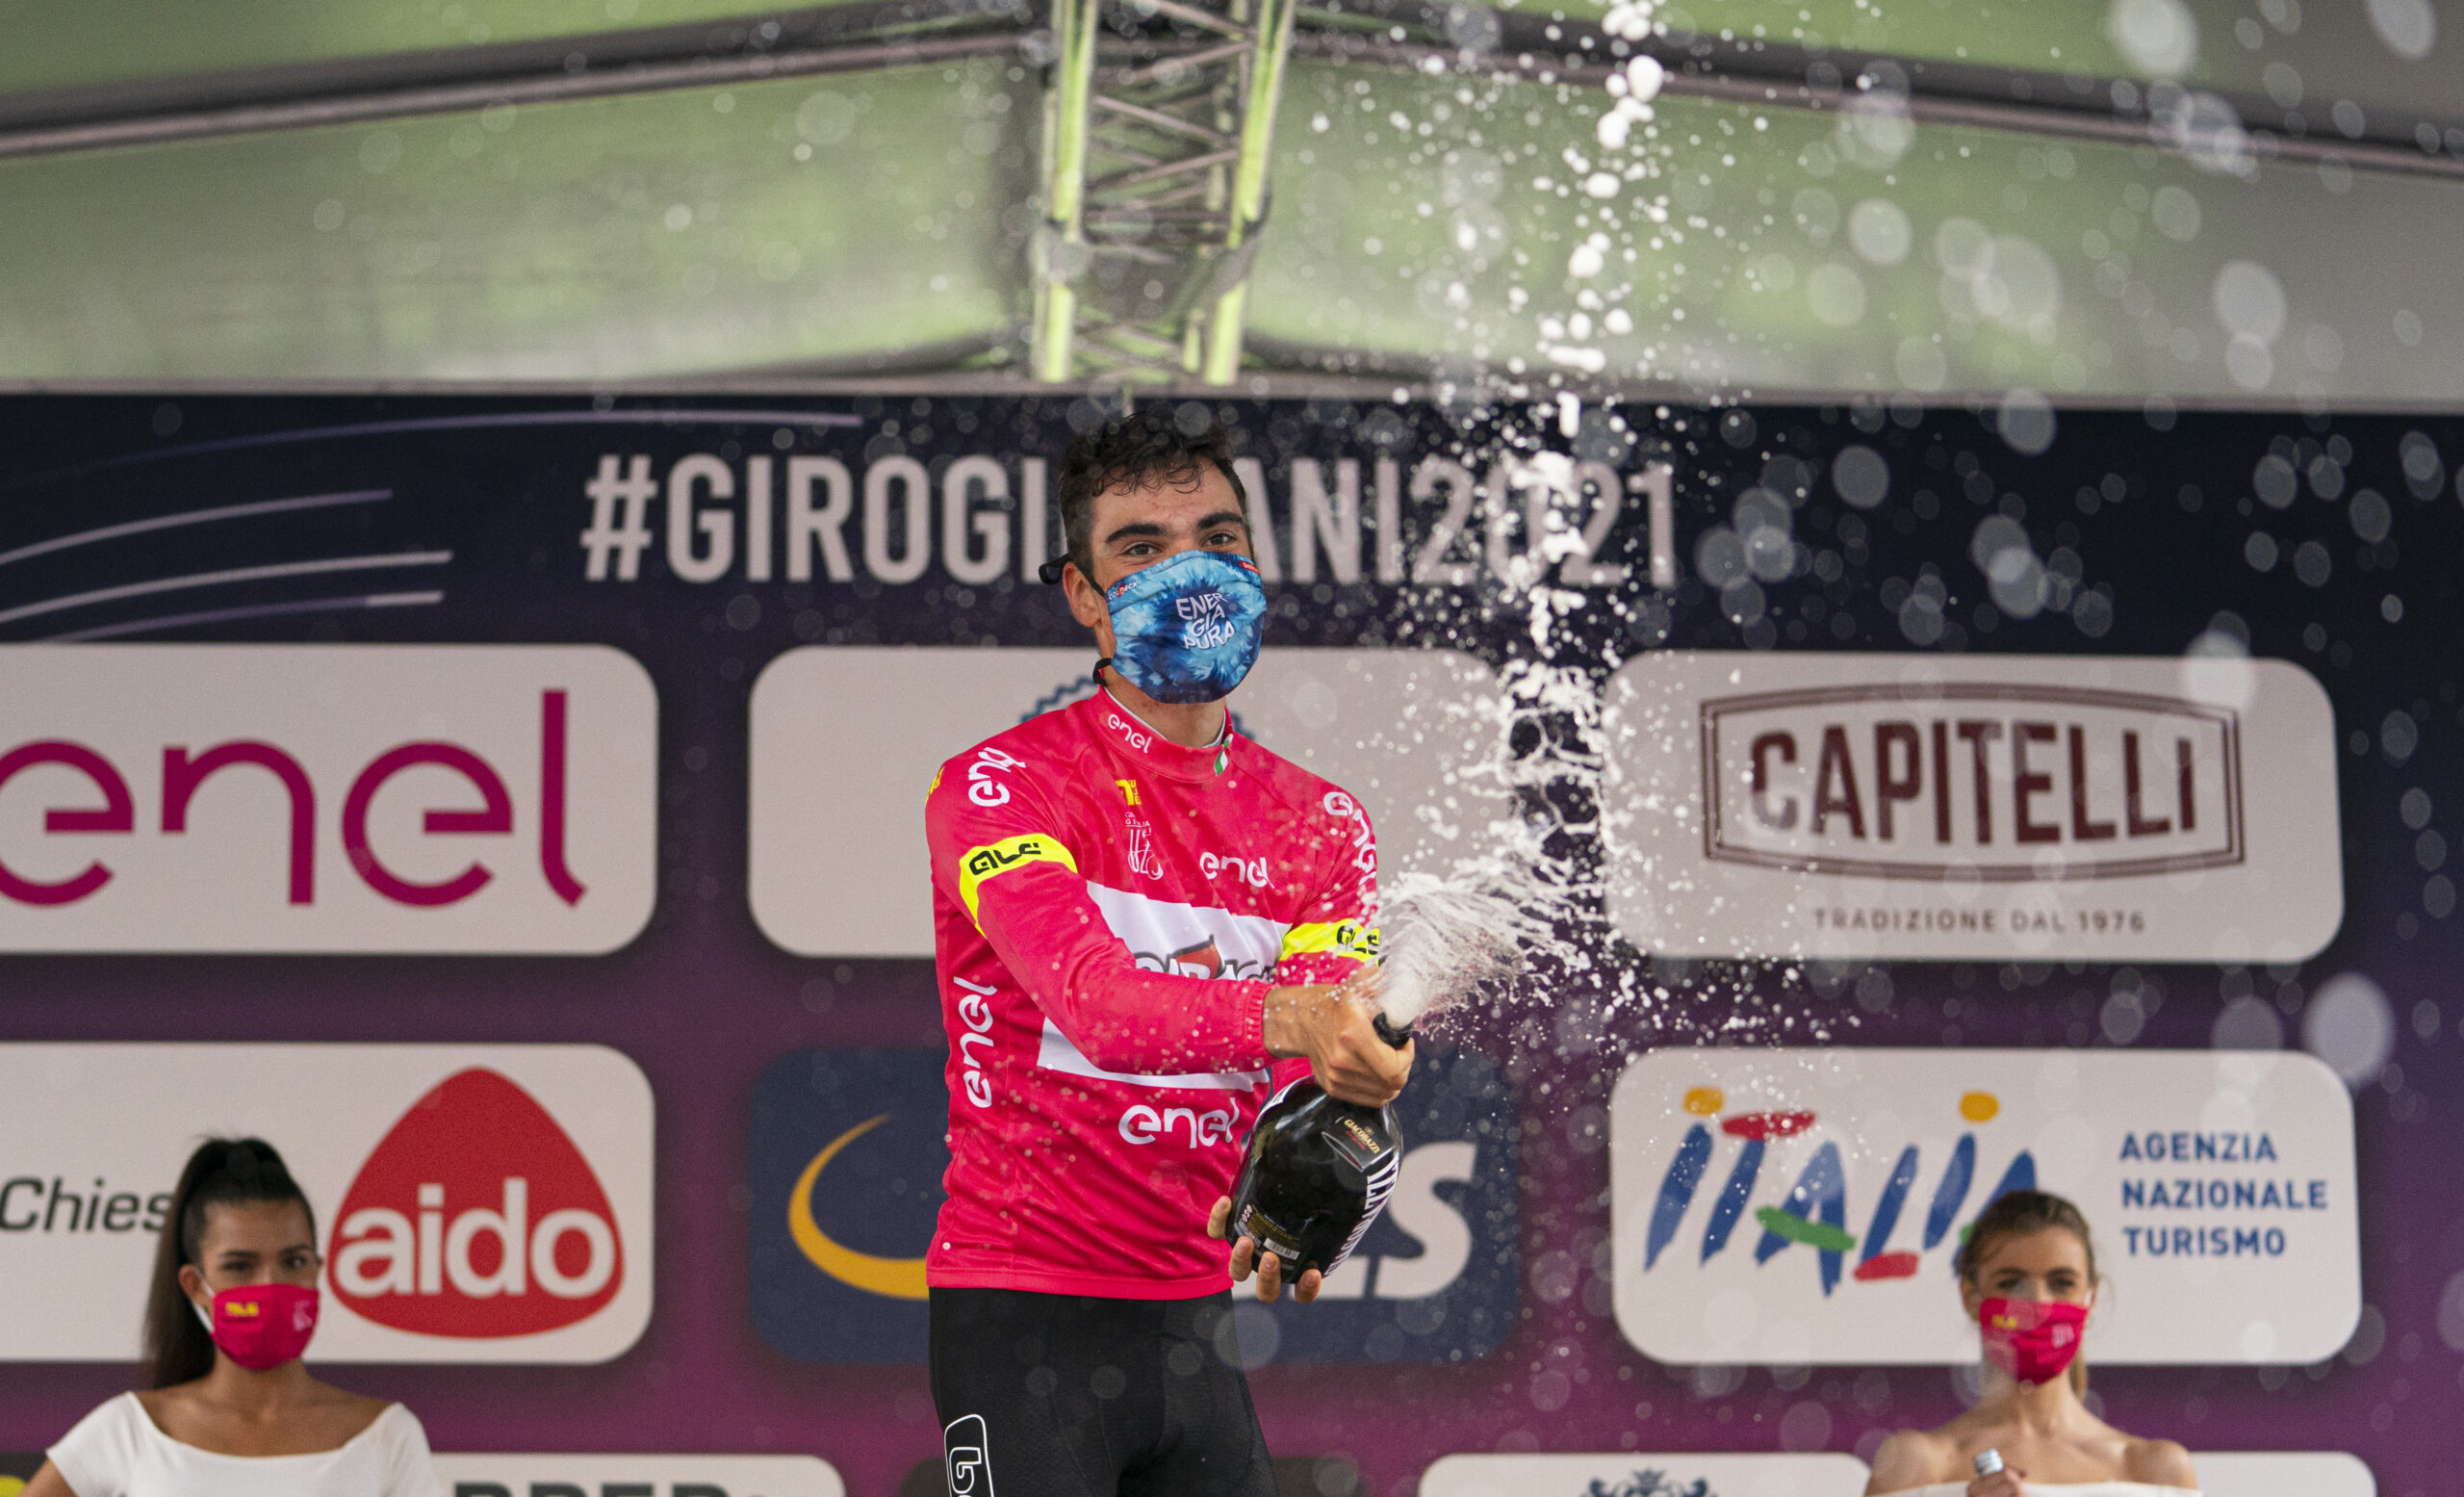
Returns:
point(2028, 1279)
point(227, 1410)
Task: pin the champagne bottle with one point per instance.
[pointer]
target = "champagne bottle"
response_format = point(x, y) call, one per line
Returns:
point(1316, 1172)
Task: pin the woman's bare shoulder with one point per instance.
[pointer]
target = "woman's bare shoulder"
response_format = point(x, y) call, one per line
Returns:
point(2163, 1462)
point(347, 1412)
point(1914, 1458)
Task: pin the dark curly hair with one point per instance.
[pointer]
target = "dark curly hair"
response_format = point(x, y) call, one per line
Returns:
point(1159, 444)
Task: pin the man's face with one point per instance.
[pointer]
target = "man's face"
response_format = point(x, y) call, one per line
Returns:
point(1136, 526)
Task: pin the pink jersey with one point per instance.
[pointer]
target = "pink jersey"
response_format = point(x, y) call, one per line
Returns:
point(1109, 912)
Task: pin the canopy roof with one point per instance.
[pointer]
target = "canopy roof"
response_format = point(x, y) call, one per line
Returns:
point(2200, 201)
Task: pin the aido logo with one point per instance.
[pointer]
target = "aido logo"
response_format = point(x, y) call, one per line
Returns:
point(475, 1217)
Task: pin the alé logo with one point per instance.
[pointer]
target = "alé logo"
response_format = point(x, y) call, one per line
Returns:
point(1914, 1209)
point(475, 1217)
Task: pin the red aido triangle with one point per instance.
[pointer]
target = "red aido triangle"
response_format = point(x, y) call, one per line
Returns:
point(477, 1218)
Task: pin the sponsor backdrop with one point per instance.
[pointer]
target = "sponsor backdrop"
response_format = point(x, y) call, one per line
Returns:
point(509, 806)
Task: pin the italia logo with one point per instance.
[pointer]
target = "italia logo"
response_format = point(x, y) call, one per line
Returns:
point(1815, 1211)
point(475, 1217)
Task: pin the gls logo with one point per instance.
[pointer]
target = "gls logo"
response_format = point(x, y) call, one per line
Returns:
point(477, 1218)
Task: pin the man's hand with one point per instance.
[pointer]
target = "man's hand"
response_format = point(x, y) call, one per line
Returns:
point(1331, 1026)
point(1246, 1255)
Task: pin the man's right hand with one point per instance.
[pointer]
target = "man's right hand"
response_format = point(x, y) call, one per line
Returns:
point(1331, 1026)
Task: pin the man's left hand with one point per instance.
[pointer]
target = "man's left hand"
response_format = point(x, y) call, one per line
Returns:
point(1246, 1257)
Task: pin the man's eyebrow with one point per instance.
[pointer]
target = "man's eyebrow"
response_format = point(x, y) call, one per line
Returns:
point(1135, 527)
point(1225, 517)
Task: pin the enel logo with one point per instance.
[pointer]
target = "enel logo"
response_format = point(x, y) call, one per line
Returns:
point(185, 772)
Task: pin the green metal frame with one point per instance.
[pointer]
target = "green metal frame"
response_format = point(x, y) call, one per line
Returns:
point(1186, 131)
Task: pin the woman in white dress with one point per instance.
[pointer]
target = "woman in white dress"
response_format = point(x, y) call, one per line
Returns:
point(2028, 1277)
point(228, 1410)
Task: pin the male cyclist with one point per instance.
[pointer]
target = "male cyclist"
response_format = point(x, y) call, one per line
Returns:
point(1137, 914)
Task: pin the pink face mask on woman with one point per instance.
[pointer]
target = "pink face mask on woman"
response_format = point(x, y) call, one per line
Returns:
point(2033, 1340)
point(262, 1326)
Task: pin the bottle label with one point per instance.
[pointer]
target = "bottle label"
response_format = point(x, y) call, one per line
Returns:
point(1360, 1145)
point(1381, 1185)
point(1260, 1228)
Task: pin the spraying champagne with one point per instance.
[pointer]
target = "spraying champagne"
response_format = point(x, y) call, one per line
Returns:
point(1318, 1169)
point(1317, 1172)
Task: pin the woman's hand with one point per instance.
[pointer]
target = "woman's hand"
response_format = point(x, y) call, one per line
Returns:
point(2004, 1482)
point(1246, 1257)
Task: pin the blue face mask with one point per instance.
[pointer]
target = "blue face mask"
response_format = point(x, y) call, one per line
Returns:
point(1186, 630)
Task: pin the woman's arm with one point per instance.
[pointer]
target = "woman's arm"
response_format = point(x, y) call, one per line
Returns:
point(1908, 1459)
point(2162, 1462)
point(410, 1471)
point(49, 1483)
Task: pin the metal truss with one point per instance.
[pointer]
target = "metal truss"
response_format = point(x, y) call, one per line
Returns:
point(1158, 123)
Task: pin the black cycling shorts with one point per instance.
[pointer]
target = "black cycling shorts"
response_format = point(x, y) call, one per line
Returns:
point(1064, 1395)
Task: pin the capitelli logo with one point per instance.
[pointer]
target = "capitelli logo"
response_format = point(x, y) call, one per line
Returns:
point(1972, 808)
point(1998, 782)
point(475, 1217)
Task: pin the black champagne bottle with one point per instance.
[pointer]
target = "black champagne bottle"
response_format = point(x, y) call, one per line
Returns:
point(1317, 1172)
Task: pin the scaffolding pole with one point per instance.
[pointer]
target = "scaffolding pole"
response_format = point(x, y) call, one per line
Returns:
point(1156, 161)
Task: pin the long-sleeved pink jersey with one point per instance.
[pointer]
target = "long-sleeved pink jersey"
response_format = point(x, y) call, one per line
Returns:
point(1108, 911)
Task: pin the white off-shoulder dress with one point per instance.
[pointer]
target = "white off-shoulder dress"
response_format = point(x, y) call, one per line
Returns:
point(118, 1451)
